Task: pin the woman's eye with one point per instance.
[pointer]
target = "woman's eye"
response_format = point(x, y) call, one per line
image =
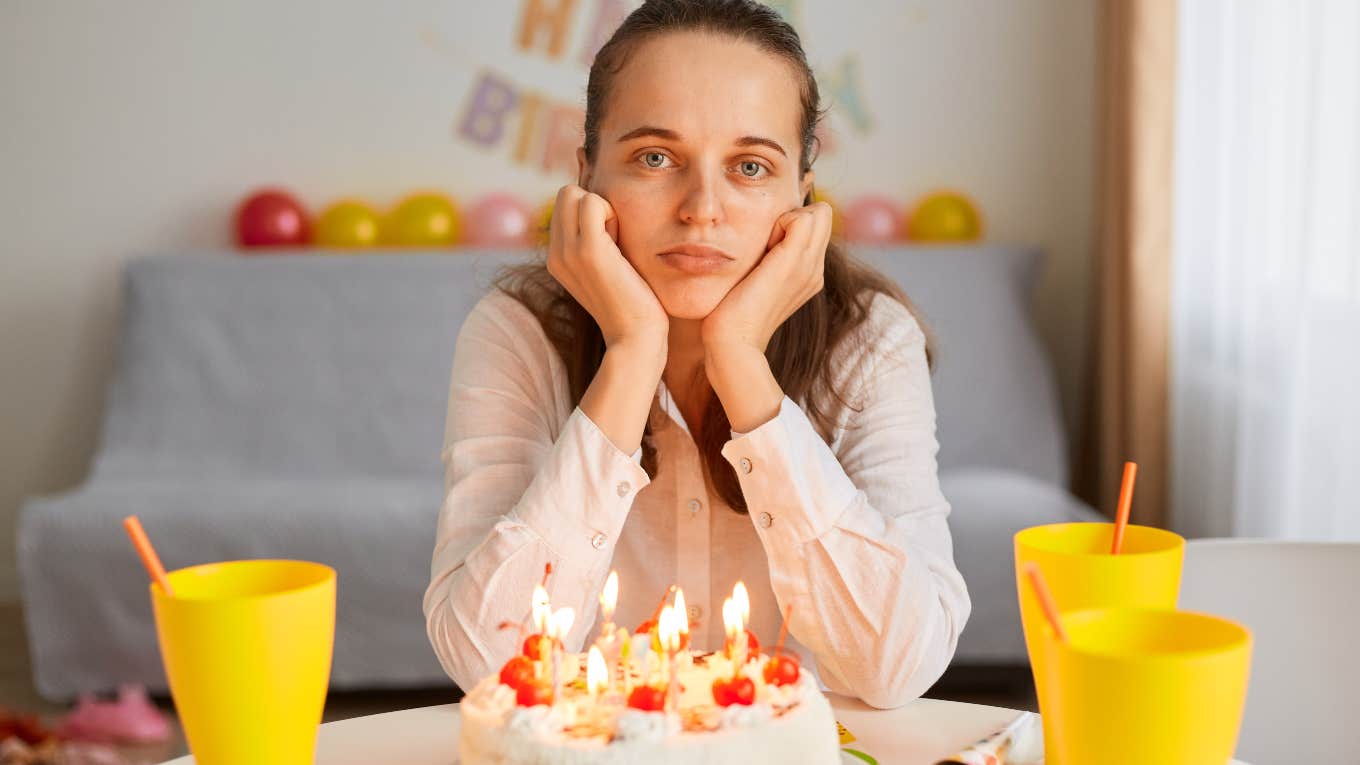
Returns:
point(751, 169)
point(654, 159)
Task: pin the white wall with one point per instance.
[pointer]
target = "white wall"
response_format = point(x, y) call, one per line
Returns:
point(137, 125)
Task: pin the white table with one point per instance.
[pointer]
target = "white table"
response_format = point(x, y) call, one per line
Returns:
point(919, 733)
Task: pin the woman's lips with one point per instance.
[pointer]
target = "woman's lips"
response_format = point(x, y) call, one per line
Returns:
point(695, 260)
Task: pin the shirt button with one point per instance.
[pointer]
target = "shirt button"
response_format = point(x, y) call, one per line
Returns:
point(695, 506)
point(765, 520)
point(598, 541)
point(694, 613)
point(745, 465)
point(623, 488)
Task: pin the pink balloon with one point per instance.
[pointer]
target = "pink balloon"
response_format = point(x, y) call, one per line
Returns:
point(499, 220)
point(873, 219)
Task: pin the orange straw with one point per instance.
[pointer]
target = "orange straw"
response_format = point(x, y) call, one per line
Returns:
point(1036, 580)
point(147, 553)
point(1121, 520)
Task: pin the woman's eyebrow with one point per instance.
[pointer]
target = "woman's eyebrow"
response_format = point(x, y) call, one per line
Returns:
point(649, 131)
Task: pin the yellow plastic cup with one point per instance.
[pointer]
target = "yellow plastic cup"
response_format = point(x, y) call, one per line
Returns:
point(247, 650)
point(1081, 573)
point(1137, 686)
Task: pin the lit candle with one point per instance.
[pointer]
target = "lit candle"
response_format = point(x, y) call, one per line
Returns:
point(541, 614)
point(736, 640)
point(609, 598)
point(668, 630)
point(743, 602)
point(681, 615)
point(597, 673)
point(608, 640)
point(741, 606)
point(559, 624)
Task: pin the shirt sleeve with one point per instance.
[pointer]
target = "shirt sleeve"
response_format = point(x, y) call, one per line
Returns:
point(857, 538)
point(522, 489)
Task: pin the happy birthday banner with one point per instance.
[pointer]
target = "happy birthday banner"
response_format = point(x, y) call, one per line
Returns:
point(542, 131)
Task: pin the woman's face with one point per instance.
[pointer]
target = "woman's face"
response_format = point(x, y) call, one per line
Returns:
point(698, 149)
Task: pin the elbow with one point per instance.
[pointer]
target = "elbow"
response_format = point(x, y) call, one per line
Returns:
point(455, 649)
point(911, 672)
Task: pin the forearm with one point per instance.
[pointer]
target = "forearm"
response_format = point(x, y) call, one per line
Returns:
point(742, 379)
point(620, 397)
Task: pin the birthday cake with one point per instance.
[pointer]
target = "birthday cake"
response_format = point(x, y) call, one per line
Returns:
point(647, 698)
point(773, 724)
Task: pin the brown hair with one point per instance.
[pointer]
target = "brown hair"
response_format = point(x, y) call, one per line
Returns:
point(800, 350)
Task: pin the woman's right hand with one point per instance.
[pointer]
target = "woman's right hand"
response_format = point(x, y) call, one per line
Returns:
point(584, 257)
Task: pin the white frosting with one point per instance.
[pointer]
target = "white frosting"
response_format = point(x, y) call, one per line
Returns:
point(540, 721)
point(637, 725)
point(741, 716)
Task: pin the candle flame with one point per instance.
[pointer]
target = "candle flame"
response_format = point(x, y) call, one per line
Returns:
point(731, 618)
point(667, 630)
point(743, 602)
point(541, 609)
point(559, 624)
point(610, 597)
point(681, 613)
point(597, 672)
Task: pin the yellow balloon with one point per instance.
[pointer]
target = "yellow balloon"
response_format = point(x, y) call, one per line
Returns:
point(542, 222)
point(346, 224)
point(944, 216)
point(427, 219)
point(837, 217)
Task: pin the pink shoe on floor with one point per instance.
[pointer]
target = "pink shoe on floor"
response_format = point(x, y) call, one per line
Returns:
point(130, 719)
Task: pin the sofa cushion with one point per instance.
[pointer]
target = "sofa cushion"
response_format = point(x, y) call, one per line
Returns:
point(987, 508)
point(85, 592)
point(996, 399)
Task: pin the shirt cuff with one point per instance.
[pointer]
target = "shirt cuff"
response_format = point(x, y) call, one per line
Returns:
point(795, 487)
point(580, 498)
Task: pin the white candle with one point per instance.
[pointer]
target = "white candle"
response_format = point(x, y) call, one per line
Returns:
point(558, 627)
point(668, 630)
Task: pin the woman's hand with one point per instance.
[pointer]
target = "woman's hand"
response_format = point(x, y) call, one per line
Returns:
point(785, 278)
point(584, 257)
point(738, 331)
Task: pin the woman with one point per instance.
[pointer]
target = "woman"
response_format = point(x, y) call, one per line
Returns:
point(698, 388)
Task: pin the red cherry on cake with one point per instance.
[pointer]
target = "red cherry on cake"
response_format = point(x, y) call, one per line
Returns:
point(782, 670)
point(518, 671)
point(538, 647)
point(647, 698)
point(743, 691)
point(738, 690)
point(533, 694)
point(722, 692)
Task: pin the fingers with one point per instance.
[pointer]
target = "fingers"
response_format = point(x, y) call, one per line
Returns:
point(596, 217)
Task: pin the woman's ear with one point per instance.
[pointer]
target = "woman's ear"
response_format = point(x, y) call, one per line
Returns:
point(805, 185)
point(582, 168)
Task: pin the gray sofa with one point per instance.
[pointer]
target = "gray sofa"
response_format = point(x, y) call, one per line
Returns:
point(293, 406)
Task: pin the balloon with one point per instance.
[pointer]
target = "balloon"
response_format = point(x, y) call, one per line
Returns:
point(498, 220)
point(427, 219)
point(945, 216)
point(347, 223)
point(271, 218)
point(837, 217)
point(872, 219)
point(543, 223)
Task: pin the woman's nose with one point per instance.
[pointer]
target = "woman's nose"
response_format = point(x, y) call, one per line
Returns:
point(702, 204)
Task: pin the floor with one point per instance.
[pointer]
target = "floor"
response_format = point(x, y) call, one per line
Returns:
point(1006, 687)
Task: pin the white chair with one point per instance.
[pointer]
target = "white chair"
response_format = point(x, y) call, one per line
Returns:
point(1301, 601)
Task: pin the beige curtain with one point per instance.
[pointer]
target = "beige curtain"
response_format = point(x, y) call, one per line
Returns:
point(1129, 415)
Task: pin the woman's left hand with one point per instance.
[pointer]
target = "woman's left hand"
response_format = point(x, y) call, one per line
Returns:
point(787, 276)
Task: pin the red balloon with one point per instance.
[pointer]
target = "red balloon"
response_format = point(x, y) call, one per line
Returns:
point(272, 218)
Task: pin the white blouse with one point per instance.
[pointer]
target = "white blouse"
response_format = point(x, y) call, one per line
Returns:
point(852, 535)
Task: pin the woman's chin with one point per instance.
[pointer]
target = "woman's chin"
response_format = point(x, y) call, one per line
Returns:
point(689, 304)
